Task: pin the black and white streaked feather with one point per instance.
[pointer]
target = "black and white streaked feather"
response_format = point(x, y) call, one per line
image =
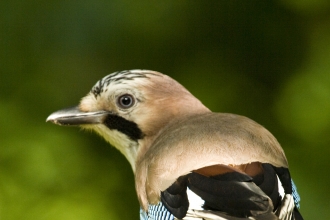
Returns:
point(120, 77)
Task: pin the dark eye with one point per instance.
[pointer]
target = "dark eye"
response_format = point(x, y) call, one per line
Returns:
point(126, 101)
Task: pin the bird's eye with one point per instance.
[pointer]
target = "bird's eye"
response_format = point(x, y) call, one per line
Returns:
point(125, 101)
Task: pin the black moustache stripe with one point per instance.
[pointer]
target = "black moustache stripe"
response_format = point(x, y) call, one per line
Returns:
point(124, 126)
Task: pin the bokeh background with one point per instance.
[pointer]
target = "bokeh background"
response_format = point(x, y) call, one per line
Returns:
point(268, 60)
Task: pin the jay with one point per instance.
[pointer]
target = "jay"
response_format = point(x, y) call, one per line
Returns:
point(188, 162)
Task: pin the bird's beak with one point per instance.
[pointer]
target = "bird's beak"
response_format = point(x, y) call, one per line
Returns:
point(73, 116)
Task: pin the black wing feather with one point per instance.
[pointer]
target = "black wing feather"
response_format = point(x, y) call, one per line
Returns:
point(175, 197)
point(233, 193)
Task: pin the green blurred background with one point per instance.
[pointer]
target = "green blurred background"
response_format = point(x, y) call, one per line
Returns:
point(268, 60)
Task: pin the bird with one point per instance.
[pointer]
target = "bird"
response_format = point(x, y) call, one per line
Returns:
point(188, 162)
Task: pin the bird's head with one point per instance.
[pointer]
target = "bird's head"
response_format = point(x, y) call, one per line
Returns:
point(129, 109)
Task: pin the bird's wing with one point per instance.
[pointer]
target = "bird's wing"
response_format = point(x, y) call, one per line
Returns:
point(235, 195)
point(232, 192)
point(230, 195)
point(201, 141)
point(215, 215)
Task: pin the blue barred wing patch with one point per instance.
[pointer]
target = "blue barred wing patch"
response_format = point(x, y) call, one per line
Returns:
point(295, 194)
point(143, 215)
point(156, 212)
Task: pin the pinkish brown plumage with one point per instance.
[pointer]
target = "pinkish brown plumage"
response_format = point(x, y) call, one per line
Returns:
point(168, 136)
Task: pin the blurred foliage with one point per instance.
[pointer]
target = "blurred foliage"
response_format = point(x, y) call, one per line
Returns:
point(268, 60)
